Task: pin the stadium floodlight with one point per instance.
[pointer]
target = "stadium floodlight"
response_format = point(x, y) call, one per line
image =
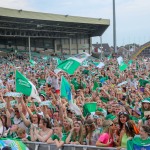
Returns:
point(114, 27)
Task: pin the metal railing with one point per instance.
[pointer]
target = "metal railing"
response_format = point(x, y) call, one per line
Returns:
point(44, 146)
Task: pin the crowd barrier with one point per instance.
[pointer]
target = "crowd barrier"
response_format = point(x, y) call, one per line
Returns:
point(43, 146)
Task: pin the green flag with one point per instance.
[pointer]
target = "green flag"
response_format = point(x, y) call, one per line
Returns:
point(71, 64)
point(13, 143)
point(24, 86)
point(32, 62)
point(89, 108)
point(109, 57)
point(57, 60)
point(65, 92)
point(130, 62)
point(65, 89)
point(45, 58)
point(95, 86)
point(123, 66)
point(46, 103)
point(85, 63)
point(138, 144)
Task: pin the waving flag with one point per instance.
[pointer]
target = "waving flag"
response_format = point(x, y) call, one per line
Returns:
point(65, 92)
point(138, 144)
point(32, 62)
point(58, 60)
point(71, 64)
point(26, 87)
point(89, 108)
point(100, 65)
point(14, 144)
point(122, 65)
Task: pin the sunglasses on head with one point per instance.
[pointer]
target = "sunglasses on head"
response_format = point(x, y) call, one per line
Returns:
point(123, 113)
point(111, 124)
point(78, 122)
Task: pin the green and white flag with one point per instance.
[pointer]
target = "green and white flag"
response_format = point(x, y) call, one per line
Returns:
point(26, 87)
point(120, 60)
point(122, 66)
point(65, 92)
point(46, 103)
point(71, 64)
point(109, 57)
point(130, 62)
point(58, 60)
point(13, 94)
point(85, 63)
point(100, 65)
point(89, 108)
point(32, 62)
point(45, 58)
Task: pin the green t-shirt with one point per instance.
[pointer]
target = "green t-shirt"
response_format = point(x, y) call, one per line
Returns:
point(85, 72)
point(11, 135)
point(28, 138)
point(104, 99)
point(75, 83)
point(55, 136)
point(74, 139)
point(64, 136)
point(41, 82)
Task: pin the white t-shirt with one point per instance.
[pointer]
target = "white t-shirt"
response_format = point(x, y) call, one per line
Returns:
point(11, 82)
point(53, 81)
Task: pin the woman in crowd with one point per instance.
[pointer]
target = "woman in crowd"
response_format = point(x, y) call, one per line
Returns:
point(43, 132)
point(106, 138)
point(90, 128)
point(76, 134)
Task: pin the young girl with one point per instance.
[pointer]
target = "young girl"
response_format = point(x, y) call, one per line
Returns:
point(67, 125)
point(44, 133)
point(106, 138)
point(127, 129)
point(90, 128)
point(76, 134)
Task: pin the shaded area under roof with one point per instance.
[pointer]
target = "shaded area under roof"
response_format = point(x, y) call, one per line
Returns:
point(52, 24)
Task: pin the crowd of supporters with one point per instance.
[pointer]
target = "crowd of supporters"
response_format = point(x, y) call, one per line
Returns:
point(122, 112)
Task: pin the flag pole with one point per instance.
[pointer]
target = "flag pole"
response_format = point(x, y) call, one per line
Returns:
point(29, 48)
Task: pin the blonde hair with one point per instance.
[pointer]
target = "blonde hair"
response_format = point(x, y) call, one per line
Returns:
point(106, 126)
point(21, 131)
point(74, 135)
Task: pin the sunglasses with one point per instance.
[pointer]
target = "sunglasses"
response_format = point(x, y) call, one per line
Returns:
point(123, 113)
point(112, 124)
point(78, 122)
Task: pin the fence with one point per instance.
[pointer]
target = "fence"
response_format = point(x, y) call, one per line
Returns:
point(43, 146)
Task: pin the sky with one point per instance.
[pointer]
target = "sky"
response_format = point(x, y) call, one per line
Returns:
point(132, 16)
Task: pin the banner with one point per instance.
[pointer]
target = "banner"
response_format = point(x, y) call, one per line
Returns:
point(71, 64)
point(24, 86)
